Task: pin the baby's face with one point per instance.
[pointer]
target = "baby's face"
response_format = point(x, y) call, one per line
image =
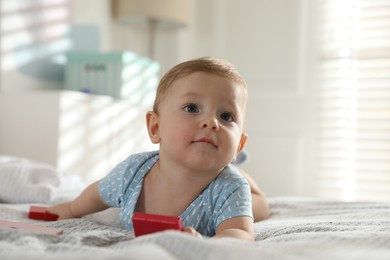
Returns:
point(201, 120)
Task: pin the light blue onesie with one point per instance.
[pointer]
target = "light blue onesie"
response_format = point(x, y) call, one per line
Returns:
point(225, 197)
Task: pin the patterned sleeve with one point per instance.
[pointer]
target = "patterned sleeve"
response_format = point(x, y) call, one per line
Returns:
point(235, 200)
point(112, 186)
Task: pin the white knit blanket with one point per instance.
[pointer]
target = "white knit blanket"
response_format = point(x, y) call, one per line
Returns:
point(297, 229)
point(24, 180)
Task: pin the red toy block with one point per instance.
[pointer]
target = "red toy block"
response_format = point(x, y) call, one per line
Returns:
point(144, 223)
point(29, 227)
point(41, 213)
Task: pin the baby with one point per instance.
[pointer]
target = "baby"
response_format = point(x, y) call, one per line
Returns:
point(197, 120)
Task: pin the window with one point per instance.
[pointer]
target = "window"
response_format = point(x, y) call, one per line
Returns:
point(33, 31)
point(354, 93)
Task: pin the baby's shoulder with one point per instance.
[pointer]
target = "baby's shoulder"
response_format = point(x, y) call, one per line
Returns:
point(229, 185)
point(139, 160)
point(230, 178)
point(230, 174)
point(134, 166)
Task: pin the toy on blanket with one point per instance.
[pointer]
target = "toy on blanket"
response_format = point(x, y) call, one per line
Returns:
point(144, 223)
point(41, 213)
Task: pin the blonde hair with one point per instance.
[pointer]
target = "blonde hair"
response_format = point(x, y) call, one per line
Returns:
point(210, 65)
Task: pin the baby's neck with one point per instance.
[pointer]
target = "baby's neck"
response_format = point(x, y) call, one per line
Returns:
point(188, 179)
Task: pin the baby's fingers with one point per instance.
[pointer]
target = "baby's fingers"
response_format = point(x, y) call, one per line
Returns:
point(192, 231)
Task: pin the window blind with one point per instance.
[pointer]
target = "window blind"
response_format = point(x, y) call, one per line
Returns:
point(32, 31)
point(354, 100)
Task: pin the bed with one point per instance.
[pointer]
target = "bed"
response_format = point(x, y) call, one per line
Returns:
point(298, 228)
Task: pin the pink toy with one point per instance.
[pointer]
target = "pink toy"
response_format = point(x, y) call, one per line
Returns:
point(41, 213)
point(150, 223)
point(30, 227)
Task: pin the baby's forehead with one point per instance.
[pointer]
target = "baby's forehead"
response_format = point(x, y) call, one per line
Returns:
point(199, 78)
point(202, 76)
point(200, 82)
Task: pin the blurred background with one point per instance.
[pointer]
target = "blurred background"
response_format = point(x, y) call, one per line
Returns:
point(318, 73)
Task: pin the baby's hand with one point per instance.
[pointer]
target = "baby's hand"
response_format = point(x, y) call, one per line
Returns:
point(62, 210)
point(192, 231)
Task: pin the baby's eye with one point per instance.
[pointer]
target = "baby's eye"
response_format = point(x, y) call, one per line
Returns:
point(226, 116)
point(191, 108)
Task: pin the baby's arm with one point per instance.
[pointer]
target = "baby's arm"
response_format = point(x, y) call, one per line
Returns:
point(89, 201)
point(238, 227)
point(259, 203)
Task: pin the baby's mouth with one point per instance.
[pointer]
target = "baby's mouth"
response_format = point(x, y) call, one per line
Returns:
point(206, 140)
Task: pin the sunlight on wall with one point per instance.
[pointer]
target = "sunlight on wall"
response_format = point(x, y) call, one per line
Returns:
point(139, 82)
point(33, 30)
point(97, 132)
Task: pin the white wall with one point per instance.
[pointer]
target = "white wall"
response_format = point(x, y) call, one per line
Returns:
point(267, 41)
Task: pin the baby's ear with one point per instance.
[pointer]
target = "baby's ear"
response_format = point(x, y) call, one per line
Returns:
point(241, 145)
point(152, 124)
